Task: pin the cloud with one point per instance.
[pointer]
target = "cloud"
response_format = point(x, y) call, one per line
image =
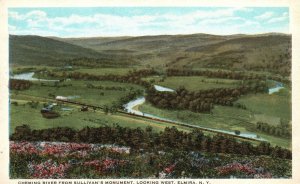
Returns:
point(221, 20)
point(248, 23)
point(11, 28)
point(281, 18)
point(264, 16)
point(277, 19)
point(209, 20)
point(36, 14)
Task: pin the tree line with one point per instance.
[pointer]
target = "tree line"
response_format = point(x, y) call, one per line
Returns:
point(103, 62)
point(202, 100)
point(133, 77)
point(15, 84)
point(148, 140)
point(282, 130)
point(223, 74)
point(114, 88)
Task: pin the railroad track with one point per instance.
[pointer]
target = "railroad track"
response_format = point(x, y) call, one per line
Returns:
point(149, 118)
point(164, 121)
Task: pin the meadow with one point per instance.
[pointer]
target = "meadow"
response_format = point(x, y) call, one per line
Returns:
point(80, 92)
point(193, 83)
point(233, 118)
point(24, 114)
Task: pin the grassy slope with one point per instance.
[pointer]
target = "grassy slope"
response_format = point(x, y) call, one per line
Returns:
point(30, 50)
point(248, 52)
point(275, 105)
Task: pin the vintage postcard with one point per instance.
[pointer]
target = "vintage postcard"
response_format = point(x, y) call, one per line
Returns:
point(189, 92)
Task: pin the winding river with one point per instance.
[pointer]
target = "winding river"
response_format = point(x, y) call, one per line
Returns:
point(28, 76)
point(131, 107)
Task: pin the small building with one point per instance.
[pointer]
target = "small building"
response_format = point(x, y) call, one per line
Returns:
point(61, 98)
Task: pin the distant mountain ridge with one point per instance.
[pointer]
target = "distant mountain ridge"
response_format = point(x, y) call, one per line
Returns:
point(269, 51)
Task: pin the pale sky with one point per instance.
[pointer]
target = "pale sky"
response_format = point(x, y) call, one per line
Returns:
point(138, 21)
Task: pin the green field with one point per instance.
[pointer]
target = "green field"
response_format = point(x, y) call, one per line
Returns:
point(24, 114)
point(194, 83)
point(259, 107)
point(223, 118)
point(213, 120)
point(275, 105)
point(79, 90)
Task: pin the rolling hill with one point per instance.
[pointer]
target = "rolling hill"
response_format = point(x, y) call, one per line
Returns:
point(37, 50)
point(264, 52)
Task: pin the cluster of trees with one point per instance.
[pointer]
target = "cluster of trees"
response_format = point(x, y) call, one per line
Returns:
point(223, 74)
point(129, 96)
point(281, 130)
point(113, 108)
point(114, 88)
point(132, 76)
point(214, 74)
point(56, 84)
point(103, 62)
point(19, 84)
point(203, 100)
point(148, 140)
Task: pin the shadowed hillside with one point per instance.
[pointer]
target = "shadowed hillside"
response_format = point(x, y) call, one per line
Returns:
point(265, 52)
point(37, 50)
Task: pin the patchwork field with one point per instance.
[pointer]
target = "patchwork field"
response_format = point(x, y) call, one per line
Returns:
point(271, 109)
